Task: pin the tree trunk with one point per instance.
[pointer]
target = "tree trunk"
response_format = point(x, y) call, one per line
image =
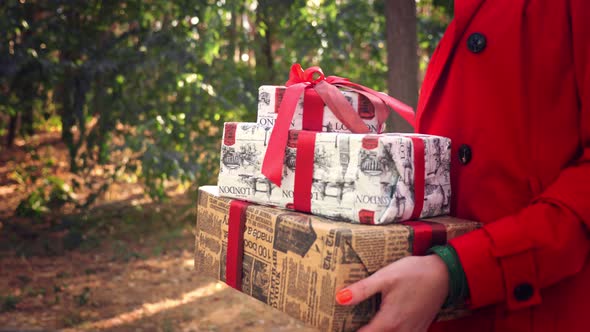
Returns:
point(402, 57)
point(264, 55)
point(27, 115)
point(232, 33)
point(12, 127)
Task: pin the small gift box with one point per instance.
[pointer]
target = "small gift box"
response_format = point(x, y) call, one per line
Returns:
point(296, 262)
point(303, 102)
point(311, 113)
point(363, 178)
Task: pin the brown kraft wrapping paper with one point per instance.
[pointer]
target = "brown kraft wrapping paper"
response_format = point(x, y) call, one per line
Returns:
point(296, 262)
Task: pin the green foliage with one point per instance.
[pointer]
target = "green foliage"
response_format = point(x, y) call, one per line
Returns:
point(33, 292)
point(147, 85)
point(123, 253)
point(345, 38)
point(33, 206)
point(60, 192)
point(53, 193)
point(433, 17)
point(9, 302)
point(83, 298)
point(446, 5)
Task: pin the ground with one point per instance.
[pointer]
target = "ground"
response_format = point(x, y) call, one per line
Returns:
point(126, 264)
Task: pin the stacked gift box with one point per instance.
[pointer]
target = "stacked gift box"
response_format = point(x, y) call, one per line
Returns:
point(313, 197)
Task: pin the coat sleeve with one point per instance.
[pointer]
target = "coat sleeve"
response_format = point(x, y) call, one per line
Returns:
point(511, 259)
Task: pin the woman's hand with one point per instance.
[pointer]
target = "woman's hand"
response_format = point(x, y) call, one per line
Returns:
point(413, 289)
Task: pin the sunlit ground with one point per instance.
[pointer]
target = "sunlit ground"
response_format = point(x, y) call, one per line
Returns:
point(155, 294)
point(150, 309)
point(124, 265)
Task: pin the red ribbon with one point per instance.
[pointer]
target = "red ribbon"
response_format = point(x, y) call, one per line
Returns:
point(304, 171)
point(426, 235)
point(327, 88)
point(235, 243)
point(419, 174)
point(313, 117)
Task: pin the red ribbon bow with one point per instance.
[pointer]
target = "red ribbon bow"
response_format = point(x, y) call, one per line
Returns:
point(298, 75)
point(328, 90)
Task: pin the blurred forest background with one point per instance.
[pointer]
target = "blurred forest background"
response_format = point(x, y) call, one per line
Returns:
point(124, 100)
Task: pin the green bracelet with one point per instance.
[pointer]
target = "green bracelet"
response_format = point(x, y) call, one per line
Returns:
point(458, 288)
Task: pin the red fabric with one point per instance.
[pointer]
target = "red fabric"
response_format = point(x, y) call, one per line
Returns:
point(426, 235)
point(523, 107)
point(419, 173)
point(235, 243)
point(313, 117)
point(304, 171)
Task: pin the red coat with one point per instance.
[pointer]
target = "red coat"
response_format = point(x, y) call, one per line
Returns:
point(510, 85)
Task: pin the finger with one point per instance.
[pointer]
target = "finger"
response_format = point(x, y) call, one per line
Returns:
point(384, 320)
point(360, 290)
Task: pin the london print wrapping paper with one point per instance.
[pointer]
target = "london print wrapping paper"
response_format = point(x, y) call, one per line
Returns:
point(366, 178)
point(270, 96)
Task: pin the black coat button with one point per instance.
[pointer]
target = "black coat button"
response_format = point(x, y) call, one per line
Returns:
point(523, 292)
point(476, 42)
point(465, 154)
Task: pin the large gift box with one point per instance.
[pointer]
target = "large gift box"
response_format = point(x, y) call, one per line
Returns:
point(296, 262)
point(317, 116)
point(363, 178)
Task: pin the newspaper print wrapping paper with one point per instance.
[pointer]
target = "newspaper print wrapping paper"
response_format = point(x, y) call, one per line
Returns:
point(296, 262)
point(270, 96)
point(363, 178)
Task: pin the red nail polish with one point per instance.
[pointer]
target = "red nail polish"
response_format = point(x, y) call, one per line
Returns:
point(344, 296)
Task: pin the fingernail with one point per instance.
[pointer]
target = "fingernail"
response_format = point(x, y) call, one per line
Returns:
point(344, 296)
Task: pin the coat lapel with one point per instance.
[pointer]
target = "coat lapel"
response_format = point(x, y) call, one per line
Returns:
point(464, 12)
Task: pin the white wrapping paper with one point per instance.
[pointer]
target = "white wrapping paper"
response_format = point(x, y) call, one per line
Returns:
point(364, 178)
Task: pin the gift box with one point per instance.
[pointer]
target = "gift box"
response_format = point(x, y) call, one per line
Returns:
point(362, 178)
point(318, 115)
point(296, 262)
point(310, 92)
